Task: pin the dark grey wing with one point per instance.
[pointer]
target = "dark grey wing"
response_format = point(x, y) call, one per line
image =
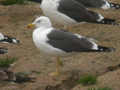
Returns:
point(77, 11)
point(98, 3)
point(69, 42)
point(92, 3)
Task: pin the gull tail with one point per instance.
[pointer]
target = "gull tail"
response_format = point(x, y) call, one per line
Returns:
point(3, 50)
point(101, 49)
point(105, 49)
point(108, 21)
point(114, 5)
point(99, 19)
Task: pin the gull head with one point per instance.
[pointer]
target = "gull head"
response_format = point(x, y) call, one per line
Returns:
point(41, 21)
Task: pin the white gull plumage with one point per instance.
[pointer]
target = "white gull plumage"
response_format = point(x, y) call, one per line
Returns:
point(60, 43)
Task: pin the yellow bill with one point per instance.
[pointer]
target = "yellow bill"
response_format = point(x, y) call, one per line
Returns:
point(29, 26)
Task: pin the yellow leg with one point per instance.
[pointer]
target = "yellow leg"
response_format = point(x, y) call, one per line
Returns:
point(59, 64)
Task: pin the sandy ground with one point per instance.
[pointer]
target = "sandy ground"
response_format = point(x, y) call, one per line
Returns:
point(13, 21)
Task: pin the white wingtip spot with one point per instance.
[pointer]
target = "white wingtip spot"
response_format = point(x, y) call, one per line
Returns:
point(117, 6)
point(101, 49)
point(14, 41)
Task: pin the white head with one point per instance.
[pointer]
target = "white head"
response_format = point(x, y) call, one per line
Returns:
point(42, 21)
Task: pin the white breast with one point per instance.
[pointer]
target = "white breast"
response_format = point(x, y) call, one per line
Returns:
point(40, 39)
point(49, 8)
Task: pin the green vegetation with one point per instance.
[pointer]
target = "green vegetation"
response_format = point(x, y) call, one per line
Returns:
point(22, 74)
point(105, 88)
point(88, 80)
point(11, 2)
point(36, 72)
point(6, 62)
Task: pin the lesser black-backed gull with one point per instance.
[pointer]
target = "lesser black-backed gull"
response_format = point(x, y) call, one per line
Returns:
point(67, 12)
point(8, 39)
point(60, 43)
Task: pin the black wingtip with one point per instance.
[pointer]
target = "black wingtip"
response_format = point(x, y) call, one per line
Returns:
point(8, 39)
point(37, 1)
point(3, 50)
point(105, 49)
point(115, 5)
point(108, 21)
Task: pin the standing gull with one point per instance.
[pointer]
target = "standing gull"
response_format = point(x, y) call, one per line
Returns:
point(67, 12)
point(60, 43)
point(6, 39)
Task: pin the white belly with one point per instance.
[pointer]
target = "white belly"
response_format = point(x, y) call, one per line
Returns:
point(40, 40)
point(50, 10)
